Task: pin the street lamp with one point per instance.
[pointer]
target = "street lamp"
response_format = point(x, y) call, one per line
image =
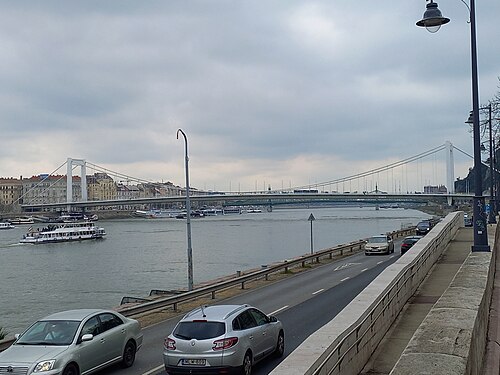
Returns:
point(492, 211)
point(432, 20)
point(188, 214)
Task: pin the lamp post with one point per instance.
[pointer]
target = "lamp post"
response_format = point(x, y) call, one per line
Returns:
point(432, 21)
point(492, 211)
point(188, 214)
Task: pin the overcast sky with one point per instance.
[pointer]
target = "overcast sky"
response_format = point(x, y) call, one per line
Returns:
point(280, 93)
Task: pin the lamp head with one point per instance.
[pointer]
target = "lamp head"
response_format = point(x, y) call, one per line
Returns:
point(470, 120)
point(433, 19)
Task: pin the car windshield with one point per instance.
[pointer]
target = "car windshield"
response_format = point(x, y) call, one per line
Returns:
point(50, 332)
point(199, 330)
point(377, 240)
point(410, 240)
point(423, 225)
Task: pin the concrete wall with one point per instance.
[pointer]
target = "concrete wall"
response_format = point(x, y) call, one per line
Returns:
point(452, 337)
point(344, 345)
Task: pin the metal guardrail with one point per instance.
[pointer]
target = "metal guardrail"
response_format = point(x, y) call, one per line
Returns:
point(409, 280)
point(173, 301)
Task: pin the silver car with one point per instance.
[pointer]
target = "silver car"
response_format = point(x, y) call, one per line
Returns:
point(72, 343)
point(222, 339)
point(380, 244)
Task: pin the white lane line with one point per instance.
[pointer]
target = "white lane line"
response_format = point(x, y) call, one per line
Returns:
point(364, 269)
point(380, 262)
point(345, 278)
point(318, 291)
point(277, 311)
point(153, 370)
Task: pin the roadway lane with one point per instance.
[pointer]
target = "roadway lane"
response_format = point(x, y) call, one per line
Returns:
point(304, 302)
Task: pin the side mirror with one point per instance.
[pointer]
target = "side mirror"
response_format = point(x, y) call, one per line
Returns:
point(17, 335)
point(87, 337)
point(273, 319)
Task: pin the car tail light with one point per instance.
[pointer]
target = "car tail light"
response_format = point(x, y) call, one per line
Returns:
point(169, 344)
point(225, 343)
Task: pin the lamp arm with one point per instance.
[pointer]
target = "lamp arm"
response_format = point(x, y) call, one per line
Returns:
point(468, 7)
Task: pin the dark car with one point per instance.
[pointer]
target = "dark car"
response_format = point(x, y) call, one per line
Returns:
point(423, 228)
point(467, 220)
point(408, 242)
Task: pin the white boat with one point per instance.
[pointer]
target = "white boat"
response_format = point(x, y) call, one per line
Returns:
point(22, 220)
point(157, 214)
point(6, 225)
point(70, 217)
point(76, 231)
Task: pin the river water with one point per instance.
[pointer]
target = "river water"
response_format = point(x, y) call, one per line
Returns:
point(138, 255)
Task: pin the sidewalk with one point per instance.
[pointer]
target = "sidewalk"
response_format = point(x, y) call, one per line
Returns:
point(432, 288)
point(437, 281)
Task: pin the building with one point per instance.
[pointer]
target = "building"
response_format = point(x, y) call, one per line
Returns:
point(441, 189)
point(44, 188)
point(10, 194)
point(101, 187)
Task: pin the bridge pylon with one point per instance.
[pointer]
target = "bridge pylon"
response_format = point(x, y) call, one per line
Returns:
point(69, 179)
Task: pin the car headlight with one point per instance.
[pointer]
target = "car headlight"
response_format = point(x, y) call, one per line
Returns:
point(44, 366)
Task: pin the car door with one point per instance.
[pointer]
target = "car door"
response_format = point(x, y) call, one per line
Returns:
point(251, 334)
point(265, 330)
point(90, 353)
point(113, 336)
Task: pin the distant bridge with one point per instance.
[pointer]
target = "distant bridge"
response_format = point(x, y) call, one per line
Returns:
point(292, 195)
point(269, 199)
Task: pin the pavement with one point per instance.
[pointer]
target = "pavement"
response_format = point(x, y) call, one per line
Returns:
point(437, 281)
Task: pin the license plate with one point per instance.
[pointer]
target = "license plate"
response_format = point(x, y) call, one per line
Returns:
point(194, 362)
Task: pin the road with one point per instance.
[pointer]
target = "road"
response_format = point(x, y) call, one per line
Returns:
point(303, 302)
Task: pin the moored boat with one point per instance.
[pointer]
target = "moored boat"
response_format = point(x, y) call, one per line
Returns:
point(65, 232)
point(22, 220)
point(6, 225)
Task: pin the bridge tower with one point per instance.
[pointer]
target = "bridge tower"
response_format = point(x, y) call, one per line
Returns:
point(450, 170)
point(69, 179)
point(450, 167)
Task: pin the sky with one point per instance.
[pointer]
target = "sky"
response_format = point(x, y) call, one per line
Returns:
point(270, 93)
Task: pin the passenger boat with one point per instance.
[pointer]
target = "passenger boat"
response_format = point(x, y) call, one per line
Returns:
point(76, 231)
point(70, 217)
point(6, 225)
point(157, 214)
point(22, 220)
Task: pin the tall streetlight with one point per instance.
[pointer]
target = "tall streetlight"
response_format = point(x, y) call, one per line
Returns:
point(188, 214)
point(492, 211)
point(432, 21)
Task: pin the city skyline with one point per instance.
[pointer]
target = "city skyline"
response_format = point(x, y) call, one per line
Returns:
point(280, 94)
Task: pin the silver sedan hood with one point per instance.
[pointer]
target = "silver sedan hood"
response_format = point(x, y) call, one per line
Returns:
point(30, 353)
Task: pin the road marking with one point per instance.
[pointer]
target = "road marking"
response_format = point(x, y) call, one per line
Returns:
point(318, 291)
point(153, 370)
point(380, 262)
point(277, 311)
point(345, 278)
point(364, 269)
point(345, 265)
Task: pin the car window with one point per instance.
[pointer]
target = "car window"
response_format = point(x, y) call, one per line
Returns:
point(109, 321)
point(56, 332)
point(259, 317)
point(199, 330)
point(91, 326)
point(377, 239)
point(246, 320)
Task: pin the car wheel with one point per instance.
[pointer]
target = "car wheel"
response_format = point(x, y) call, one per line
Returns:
point(280, 345)
point(246, 369)
point(70, 370)
point(128, 355)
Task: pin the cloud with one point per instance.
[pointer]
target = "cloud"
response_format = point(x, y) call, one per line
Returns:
point(267, 93)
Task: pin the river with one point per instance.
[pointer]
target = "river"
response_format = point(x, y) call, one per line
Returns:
point(138, 255)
